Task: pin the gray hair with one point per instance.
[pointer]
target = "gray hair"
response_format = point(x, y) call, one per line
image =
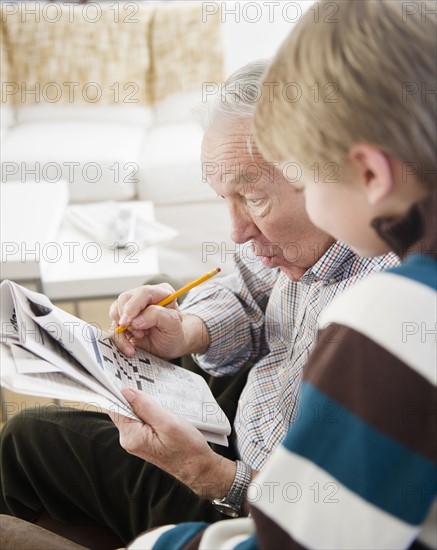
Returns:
point(234, 99)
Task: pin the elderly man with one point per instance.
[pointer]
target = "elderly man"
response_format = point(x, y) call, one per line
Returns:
point(262, 317)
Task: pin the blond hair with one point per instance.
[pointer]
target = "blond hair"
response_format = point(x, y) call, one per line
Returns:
point(373, 66)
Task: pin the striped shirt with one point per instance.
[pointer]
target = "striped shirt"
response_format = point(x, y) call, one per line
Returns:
point(258, 315)
point(358, 469)
point(377, 485)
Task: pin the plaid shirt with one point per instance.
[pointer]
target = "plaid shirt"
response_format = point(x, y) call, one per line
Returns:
point(259, 315)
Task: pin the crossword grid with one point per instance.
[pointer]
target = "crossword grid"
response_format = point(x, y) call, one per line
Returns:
point(140, 369)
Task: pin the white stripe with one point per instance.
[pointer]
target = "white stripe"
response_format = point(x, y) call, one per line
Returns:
point(226, 535)
point(325, 513)
point(428, 534)
point(397, 313)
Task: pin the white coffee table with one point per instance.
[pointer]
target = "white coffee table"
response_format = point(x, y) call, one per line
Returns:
point(38, 244)
point(31, 214)
point(84, 269)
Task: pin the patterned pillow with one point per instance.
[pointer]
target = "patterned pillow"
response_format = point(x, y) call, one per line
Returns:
point(186, 48)
point(106, 53)
point(81, 54)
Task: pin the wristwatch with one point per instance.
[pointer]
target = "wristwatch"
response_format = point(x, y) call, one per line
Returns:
point(231, 504)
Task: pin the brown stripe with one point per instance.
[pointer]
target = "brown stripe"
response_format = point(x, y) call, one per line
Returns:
point(358, 373)
point(270, 535)
point(193, 544)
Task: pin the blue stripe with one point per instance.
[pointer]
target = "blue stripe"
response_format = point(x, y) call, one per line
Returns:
point(179, 536)
point(420, 268)
point(390, 476)
point(249, 544)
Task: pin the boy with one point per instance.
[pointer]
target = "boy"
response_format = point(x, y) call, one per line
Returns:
point(358, 467)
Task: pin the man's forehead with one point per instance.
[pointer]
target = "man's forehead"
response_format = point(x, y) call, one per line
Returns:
point(230, 145)
point(239, 176)
point(230, 156)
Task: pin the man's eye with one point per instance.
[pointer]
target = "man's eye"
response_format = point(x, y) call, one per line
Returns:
point(256, 202)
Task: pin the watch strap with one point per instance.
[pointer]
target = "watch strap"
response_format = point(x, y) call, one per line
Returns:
point(238, 490)
point(232, 503)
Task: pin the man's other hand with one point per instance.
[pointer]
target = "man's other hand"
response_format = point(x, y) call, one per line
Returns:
point(174, 445)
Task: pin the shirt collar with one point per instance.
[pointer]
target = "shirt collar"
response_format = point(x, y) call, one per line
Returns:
point(331, 266)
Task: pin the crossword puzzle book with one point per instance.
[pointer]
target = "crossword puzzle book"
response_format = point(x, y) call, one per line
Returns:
point(46, 351)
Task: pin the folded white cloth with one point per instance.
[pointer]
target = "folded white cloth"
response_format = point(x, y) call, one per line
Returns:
point(116, 224)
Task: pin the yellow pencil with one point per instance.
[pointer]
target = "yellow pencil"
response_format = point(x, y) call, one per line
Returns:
point(174, 296)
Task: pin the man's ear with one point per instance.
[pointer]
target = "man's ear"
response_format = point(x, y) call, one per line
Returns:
point(373, 170)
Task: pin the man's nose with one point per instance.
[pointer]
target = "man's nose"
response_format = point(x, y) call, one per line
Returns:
point(243, 228)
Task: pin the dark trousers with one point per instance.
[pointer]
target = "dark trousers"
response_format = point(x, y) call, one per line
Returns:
point(69, 463)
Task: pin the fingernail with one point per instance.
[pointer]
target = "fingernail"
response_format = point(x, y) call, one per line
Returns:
point(129, 394)
point(123, 321)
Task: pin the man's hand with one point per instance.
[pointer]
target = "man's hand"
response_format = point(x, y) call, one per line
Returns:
point(162, 331)
point(174, 445)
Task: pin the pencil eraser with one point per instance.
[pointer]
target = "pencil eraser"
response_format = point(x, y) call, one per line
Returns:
point(218, 269)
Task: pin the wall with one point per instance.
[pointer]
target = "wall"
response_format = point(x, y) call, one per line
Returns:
point(254, 30)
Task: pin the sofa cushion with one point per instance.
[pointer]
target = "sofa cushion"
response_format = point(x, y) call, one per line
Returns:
point(99, 161)
point(177, 108)
point(187, 48)
point(120, 114)
point(17, 533)
point(87, 53)
point(170, 168)
point(107, 53)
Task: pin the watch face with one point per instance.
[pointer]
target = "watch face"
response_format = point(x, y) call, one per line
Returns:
point(227, 509)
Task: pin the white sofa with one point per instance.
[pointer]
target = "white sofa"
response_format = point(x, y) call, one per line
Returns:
point(149, 150)
point(145, 148)
point(103, 157)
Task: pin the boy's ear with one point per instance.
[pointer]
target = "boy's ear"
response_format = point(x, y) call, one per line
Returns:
point(373, 170)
